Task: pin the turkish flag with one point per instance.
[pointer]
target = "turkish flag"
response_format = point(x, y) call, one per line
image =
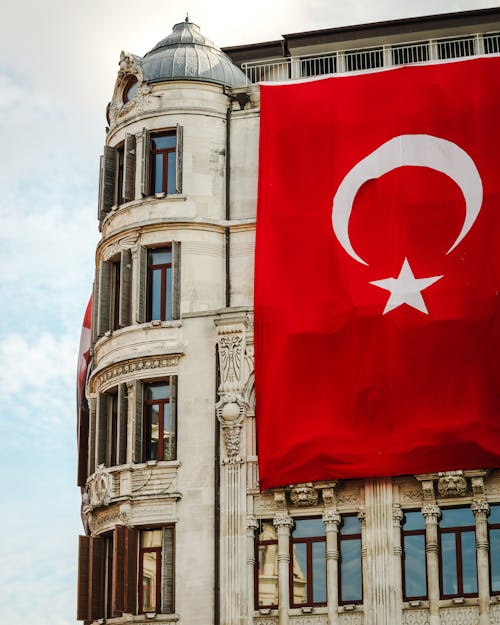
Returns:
point(377, 273)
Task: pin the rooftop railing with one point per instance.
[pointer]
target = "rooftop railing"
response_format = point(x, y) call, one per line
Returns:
point(361, 59)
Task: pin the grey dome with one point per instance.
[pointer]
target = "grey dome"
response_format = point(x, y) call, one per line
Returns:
point(187, 55)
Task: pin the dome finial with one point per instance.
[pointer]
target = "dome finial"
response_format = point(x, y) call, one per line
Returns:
point(187, 17)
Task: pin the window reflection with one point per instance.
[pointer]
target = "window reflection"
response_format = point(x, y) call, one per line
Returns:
point(308, 575)
point(350, 578)
point(267, 560)
point(414, 562)
point(458, 552)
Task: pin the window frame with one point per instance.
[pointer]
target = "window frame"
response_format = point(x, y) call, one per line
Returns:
point(165, 315)
point(257, 544)
point(457, 531)
point(161, 421)
point(308, 541)
point(164, 153)
point(341, 538)
point(492, 526)
point(417, 532)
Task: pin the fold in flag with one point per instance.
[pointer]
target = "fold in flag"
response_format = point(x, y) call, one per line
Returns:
point(377, 273)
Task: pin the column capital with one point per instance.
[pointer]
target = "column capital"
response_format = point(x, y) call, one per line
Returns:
point(431, 512)
point(397, 515)
point(331, 519)
point(480, 507)
point(283, 522)
point(252, 525)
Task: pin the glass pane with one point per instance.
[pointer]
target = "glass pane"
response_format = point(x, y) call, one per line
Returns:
point(308, 527)
point(350, 563)
point(160, 257)
point(168, 435)
point(299, 574)
point(151, 538)
point(171, 172)
point(494, 517)
point(456, 517)
point(149, 581)
point(319, 572)
point(469, 564)
point(350, 525)
point(414, 566)
point(495, 560)
point(449, 564)
point(414, 521)
point(158, 391)
point(152, 432)
point(267, 531)
point(158, 186)
point(268, 574)
point(168, 295)
point(155, 294)
point(163, 142)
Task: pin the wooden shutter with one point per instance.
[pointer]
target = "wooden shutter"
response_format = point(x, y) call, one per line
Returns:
point(139, 392)
point(121, 452)
point(176, 280)
point(146, 163)
point(119, 559)
point(107, 181)
point(173, 410)
point(92, 436)
point(131, 571)
point(83, 605)
point(95, 304)
point(83, 445)
point(125, 288)
point(104, 299)
point(178, 159)
point(96, 578)
point(167, 574)
point(142, 275)
point(102, 428)
point(128, 191)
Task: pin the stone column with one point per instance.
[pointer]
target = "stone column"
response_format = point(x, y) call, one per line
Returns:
point(331, 519)
point(252, 525)
point(283, 523)
point(432, 513)
point(397, 517)
point(481, 509)
point(364, 566)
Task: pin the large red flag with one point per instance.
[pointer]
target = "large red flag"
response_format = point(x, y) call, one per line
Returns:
point(377, 273)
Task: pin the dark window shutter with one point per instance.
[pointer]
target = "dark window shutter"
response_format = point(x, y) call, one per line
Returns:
point(139, 392)
point(167, 574)
point(142, 273)
point(108, 180)
point(119, 557)
point(129, 168)
point(178, 159)
point(146, 163)
point(131, 566)
point(100, 211)
point(176, 280)
point(122, 424)
point(102, 428)
point(95, 305)
point(96, 581)
point(104, 299)
point(125, 288)
point(92, 435)
point(173, 409)
point(83, 605)
point(83, 445)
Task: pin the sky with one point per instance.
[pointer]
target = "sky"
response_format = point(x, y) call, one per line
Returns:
point(58, 67)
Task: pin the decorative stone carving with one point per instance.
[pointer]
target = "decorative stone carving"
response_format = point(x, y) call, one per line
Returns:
point(127, 367)
point(126, 243)
point(331, 519)
point(279, 500)
point(428, 490)
point(347, 499)
point(303, 495)
point(329, 496)
point(100, 489)
point(459, 616)
point(480, 505)
point(351, 618)
point(231, 351)
point(252, 525)
point(452, 484)
point(130, 66)
point(316, 619)
point(415, 617)
point(103, 519)
point(477, 485)
point(362, 514)
point(265, 621)
point(283, 520)
point(415, 494)
point(431, 510)
point(397, 515)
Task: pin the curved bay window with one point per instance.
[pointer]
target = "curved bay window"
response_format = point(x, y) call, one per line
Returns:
point(457, 540)
point(159, 421)
point(414, 564)
point(308, 563)
point(350, 574)
point(494, 539)
point(266, 571)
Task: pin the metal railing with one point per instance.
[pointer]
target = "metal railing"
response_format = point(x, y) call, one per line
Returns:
point(360, 59)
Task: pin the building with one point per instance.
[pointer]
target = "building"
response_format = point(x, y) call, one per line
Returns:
point(178, 529)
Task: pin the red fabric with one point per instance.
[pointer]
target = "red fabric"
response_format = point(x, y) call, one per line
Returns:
point(83, 356)
point(344, 390)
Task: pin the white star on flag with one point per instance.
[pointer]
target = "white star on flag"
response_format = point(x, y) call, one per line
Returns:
point(405, 289)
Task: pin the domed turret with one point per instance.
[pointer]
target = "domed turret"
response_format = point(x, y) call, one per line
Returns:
point(187, 55)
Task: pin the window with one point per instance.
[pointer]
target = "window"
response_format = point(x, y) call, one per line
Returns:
point(308, 563)
point(457, 537)
point(112, 427)
point(127, 571)
point(130, 89)
point(266, 558)
point(117, 176)
point(350, 575)
point(159, 441)
point(494, 539)
point(162, 162)
point(414, 562)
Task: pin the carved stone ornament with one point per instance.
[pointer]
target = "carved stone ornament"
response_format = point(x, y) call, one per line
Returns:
point(116, 247)
point(232, 437)
point(397, 515)
point(128, 367)
point(100, 489)
point(430, 510)
point(283, 521)
point(130, 66)
point(428, 490)
point(303, 495)
point(279, 500)
point(231, 351)
point(452, 484)
point(331, 519)
point(477, 485)
point(329, 495)
point(480, 505)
